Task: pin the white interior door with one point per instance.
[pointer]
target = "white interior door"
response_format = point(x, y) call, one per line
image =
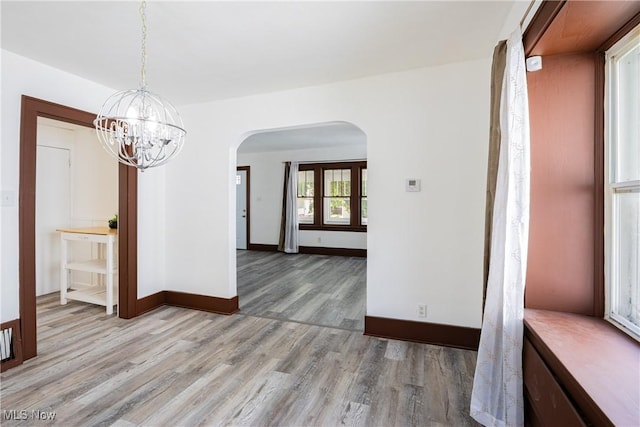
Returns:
point(241, 209)
point(53, 210)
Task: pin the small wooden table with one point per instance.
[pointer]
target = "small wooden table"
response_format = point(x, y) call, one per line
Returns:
point(102, 295)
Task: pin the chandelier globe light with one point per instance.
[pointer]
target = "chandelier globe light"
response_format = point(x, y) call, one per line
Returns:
point(137, 127)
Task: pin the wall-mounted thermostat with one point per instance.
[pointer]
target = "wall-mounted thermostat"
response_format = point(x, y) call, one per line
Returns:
point(413, 184)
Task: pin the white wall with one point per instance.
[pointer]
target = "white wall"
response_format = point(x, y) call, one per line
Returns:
point(266, 195)
point(94, 190)
point(425, 247)
point(23, 76)
point(94, 198)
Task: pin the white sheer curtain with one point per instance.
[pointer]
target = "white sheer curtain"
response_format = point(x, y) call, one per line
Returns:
point(291, 233)
point(497, 398)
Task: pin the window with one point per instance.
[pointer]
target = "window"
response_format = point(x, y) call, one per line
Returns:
point(337, 196)
point(305, 197)
point(622, 187)
point(332, 196)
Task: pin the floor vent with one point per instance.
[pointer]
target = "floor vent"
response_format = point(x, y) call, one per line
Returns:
point(6, 345)
point(10, 345)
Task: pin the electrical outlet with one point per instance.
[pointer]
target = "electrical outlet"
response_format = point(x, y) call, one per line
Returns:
point(422, 310)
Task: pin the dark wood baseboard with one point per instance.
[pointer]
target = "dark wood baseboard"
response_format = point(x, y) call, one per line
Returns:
point(262, 247)
point(422, 332)
point(315, 250)
point(150, 302)
point(186, 300)
point(203, 302)
point(17, 360)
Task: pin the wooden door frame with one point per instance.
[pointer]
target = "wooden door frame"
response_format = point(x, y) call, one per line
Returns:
point(31, 109)
point(248, 201)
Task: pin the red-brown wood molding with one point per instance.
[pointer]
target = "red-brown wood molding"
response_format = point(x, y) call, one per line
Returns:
point(566, 104)
point(422, 332)
point(562, 27)
point(31, 109)
point(596, 365)
point(193, 301)
point(316, 250)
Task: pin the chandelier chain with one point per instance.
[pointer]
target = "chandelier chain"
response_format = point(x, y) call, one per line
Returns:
point(143, 68)
point(137, 127)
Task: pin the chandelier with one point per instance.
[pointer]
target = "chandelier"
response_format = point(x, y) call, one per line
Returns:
point(138, 127)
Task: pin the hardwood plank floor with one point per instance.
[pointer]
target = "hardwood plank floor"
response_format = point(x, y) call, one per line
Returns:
point(316, 289)
point(180, 367)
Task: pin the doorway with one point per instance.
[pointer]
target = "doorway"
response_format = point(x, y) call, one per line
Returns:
point(32, 108)
point(53, 202)
point(243, 197)
point(324, 284)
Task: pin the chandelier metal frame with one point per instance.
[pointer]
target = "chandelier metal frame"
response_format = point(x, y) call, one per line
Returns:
point(137, 127)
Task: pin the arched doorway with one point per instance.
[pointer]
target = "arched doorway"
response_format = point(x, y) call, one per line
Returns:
point(330, 289)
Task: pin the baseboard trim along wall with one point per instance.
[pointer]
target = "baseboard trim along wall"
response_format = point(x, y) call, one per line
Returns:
point(186, 300)
point(262, 247)
point(315, 250)
point(422, 332)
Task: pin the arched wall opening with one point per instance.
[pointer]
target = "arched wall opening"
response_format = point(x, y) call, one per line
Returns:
point(333, 254)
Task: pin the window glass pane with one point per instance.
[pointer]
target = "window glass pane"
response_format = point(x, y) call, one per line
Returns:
point(305, 210)
point(305, 183)
point(364, 183)
point(628, 115)
point(364, 217)
point(337, 182)
point(627, 276)
point(337, 210)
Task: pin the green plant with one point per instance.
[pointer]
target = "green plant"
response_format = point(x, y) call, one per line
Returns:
point(113, 222)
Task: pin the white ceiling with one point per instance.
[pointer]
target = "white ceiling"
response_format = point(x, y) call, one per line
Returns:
point(203, 50)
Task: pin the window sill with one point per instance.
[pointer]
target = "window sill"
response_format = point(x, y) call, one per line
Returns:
point(596, 364)
point(357, 229)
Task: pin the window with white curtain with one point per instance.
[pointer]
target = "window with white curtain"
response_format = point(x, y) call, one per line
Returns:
point(622, 186)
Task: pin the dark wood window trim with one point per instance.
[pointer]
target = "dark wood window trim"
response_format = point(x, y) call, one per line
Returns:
point(318, 191)
point(542, 20)
point(32, 108)
point(579, 350)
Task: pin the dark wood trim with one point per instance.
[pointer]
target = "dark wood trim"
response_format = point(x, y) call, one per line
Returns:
point(312, 250)
point(17, 345)
point(598, 196)
point(262, 247)
point(127, 242)
point(599, 159)
point(248, 201)
point(544, 16)
point(31, 109)
point(318, 195)
point(192, 301)
point(333, 227)
point(202, 302)
point(623, 31)
point(597, 363)
point(422, 332)
point(333, 251)
point(545, 401)
point(150, 302)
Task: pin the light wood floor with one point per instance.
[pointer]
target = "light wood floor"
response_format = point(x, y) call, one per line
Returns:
point(316, 289)
point(180, 367)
